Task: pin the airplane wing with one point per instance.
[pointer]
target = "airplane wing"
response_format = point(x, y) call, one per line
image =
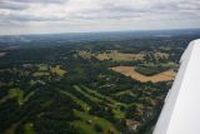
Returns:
point(181, 111)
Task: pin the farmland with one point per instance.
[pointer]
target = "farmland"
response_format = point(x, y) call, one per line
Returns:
point(116, 56)
point(93, 85)
point(130, 72)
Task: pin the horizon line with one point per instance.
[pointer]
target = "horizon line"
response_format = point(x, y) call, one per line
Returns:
point(96, 32)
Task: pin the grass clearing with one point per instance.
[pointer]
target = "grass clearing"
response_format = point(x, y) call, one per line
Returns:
point(130, 72)
point(39, 74)
point(33, 82)
point(14, 93)
point(103, 97)
point(46, 70)
point(29, 128)
point(85, 54)
point(58, 70)
point(126, 92)
point(118, 114)
point(97, 97)
point(78, 101)
point(112, 55)
point(18, 94)
point(117, 56)
point(43, 67)
point(87, 124)
point(83, 127)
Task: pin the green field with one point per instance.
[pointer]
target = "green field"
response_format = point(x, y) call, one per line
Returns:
point(87, 124)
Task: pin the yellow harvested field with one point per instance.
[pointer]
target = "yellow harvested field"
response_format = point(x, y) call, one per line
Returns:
point(130, 72)
point(117, 56)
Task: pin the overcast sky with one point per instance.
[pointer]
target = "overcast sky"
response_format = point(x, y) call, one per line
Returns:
point(55, 16)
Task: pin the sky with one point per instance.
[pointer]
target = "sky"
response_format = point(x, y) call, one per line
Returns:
point(58, 16)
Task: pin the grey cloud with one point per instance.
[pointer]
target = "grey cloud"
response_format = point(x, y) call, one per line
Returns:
point(103, 15)
point(192, 5)
point(109, 9)
point(24, 4)
point(12, 6)
point(120, 11)
point(27, 18)
point(39, 1)
point(53, 11)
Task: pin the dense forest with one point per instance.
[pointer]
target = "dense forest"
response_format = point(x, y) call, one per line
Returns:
point(53, 85)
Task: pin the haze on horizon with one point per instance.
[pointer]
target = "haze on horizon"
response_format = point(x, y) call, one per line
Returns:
point(56, 16)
